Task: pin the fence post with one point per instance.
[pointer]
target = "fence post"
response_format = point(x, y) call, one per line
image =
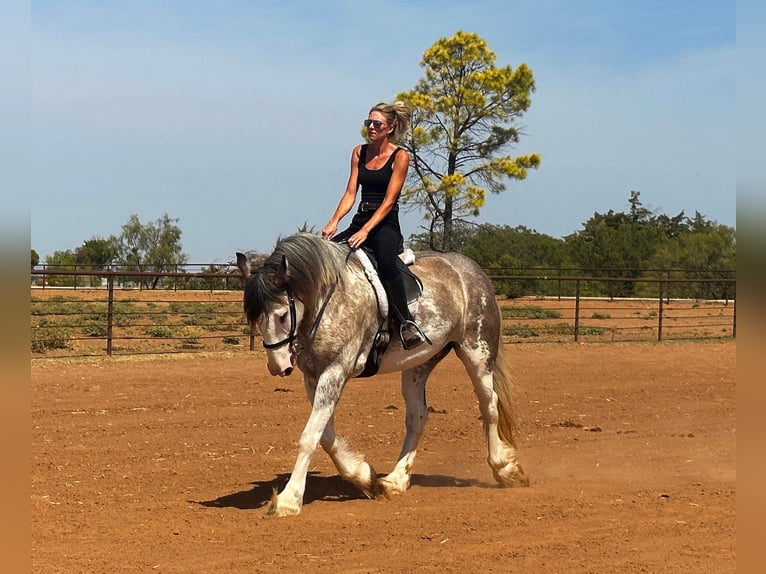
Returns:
point(659, 318)
point(577, 312)
point(734, 321)
point(668, 290)
point(109, 313)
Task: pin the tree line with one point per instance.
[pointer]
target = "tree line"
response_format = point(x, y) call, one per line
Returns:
point(617, 245)
point(629, 245)
point(154, 246)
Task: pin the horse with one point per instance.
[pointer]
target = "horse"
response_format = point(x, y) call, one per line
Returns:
point(316, 309)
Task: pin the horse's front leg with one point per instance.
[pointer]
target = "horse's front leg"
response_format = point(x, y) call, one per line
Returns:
point(323, 397)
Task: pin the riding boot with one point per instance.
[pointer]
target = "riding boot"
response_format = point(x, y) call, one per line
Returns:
point(410, 333)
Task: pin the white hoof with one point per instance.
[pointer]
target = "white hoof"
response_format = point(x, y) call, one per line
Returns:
point(389, 486)
point(281, 508)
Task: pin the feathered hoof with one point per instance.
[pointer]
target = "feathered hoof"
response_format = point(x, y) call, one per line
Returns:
point(387, 488)
point(280, 509)
point(368, 483)
point(511, 476)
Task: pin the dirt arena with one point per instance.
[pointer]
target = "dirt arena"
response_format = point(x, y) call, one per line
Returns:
point(167, 465)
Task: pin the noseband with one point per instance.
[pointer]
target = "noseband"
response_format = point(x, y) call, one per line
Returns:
point(290, 339)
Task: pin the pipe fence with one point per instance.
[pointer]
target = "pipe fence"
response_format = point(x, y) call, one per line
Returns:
point(76, 313)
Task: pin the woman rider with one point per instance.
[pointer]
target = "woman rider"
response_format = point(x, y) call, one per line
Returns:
point(380, 168)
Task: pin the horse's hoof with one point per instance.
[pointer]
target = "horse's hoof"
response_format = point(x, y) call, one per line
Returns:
point(511, 478)
point(388, 488)
point(520, 480)
point(280, 509)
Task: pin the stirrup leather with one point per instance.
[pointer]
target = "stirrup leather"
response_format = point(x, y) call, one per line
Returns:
point(411, 335)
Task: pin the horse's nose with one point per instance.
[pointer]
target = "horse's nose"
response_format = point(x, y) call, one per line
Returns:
point(287, 372)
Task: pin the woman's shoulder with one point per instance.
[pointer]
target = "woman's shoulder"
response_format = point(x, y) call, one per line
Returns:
point(401, 154)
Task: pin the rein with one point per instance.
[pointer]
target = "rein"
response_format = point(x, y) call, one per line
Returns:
point(318, 318)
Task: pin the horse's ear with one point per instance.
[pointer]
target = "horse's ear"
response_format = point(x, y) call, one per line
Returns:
point(244, 266)
point(282, 274)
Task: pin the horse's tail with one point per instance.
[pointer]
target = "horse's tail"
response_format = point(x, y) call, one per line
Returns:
point(501, 382)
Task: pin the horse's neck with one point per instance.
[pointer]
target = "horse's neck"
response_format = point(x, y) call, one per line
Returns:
point(354, 298)
point(350, 317)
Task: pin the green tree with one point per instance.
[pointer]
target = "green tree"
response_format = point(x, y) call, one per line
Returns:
point(462, 232)
point(61, 260)
point(641, 243)
point(524, 247)
point(518, 250)
point(35, 259)
point(617, 245)
point(97, 253)
point(154, 246)
point(466, 114)
point(702, 249)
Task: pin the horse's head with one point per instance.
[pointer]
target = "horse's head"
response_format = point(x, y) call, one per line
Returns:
point(301, 272)
point(271, 306)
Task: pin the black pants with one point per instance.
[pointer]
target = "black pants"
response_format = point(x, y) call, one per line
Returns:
point(385, 240)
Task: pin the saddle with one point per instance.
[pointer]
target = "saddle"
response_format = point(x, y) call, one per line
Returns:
point(413, 289)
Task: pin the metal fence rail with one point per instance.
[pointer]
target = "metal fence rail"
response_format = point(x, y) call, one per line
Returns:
point(599, 318)
point(116, 317)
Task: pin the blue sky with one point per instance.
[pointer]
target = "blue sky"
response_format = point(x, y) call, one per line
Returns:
point(238, 117)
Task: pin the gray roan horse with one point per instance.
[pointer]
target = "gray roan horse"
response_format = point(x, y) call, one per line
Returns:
point(315, 307)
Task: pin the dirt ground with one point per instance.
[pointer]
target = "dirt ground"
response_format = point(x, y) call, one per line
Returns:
point(156, 464)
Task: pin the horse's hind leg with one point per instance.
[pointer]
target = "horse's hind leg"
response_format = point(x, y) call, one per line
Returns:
point(490, 383)
point(351, 465)
point(414, 393)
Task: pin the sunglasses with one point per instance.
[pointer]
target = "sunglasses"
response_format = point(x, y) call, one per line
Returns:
point(377, 124)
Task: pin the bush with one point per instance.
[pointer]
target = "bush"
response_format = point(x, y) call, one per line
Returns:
point(46, 336)
point(522, 331)
point(591, 330)
point(559, 329)
point(529, 312)
point(160, 332)
point(94, 330)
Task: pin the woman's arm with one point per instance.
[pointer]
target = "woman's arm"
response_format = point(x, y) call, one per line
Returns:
point(347, 199)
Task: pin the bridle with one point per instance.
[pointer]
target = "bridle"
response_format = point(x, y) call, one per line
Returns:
point(293, 335)
point(290, 339)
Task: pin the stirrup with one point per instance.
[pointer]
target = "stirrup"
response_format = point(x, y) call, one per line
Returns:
point(412, 335)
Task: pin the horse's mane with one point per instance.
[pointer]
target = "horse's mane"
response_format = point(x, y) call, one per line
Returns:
point(314, 265)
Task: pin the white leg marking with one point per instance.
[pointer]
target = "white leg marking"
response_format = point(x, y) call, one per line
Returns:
point(351, 465)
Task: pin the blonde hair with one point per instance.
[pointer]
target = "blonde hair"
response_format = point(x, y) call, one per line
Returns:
point(397, 114)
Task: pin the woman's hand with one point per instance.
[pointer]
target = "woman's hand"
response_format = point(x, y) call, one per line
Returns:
point(357, 239)
point(329, 230)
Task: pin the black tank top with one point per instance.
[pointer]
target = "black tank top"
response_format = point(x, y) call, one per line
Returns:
point(374, 182)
